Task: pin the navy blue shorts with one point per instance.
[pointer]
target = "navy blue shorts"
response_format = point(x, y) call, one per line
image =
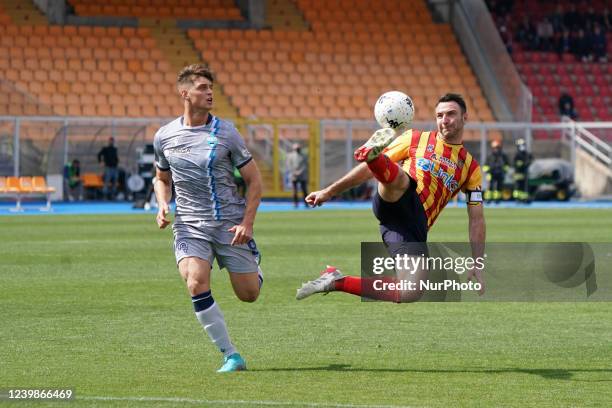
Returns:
point(403, 221)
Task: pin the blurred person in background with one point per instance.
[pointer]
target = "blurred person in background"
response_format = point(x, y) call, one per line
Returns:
point(73, 185)
point(566, 105)
point(522, 160)
point(496, 167)
point(109, 157)
point(297, 166)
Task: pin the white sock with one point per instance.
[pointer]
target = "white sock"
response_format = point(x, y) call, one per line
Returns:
point(214, 324)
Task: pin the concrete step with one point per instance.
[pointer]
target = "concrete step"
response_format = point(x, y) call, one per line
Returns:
point(24, 12)
point(284, 15)
point(180, 51)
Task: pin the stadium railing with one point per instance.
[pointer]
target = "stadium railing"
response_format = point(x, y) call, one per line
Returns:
point(328, 143)
point(340, 138)
point(43, 145)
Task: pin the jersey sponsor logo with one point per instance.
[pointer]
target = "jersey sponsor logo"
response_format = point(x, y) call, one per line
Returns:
point(448, 162)
point(177, 151)
point(175, 148)
point(443, 160)
point(430, 166)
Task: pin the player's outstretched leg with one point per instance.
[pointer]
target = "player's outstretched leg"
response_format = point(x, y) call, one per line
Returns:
point(332, 280)
point(323, 284)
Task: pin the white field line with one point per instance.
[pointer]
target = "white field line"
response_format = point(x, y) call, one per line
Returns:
point(236, 402)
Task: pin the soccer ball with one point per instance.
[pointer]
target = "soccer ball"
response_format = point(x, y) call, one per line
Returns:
point(394, 109)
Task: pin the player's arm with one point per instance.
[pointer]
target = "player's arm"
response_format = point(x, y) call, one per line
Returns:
point(477, 229)
point(243, 232)
point(476, 223)
point(477, 232)
point(162, 183)
point(163, 194)
point(359, 174)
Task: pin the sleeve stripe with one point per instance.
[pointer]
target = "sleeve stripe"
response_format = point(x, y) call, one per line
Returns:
point(244, 163)
point(162, 168)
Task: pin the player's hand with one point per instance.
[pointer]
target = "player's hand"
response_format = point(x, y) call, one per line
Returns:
point(162, 216)
point(242, 234)
point(317, 198)
point(476, 273)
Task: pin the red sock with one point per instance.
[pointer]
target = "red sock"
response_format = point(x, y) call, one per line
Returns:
point(383, 169)
point(365, 287)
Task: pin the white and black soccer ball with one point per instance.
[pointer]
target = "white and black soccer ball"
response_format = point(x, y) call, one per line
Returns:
point(394, 109)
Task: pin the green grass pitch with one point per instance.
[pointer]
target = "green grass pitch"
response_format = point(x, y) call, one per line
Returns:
point(95, 303)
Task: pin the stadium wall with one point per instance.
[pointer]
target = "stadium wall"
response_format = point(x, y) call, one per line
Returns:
point(596, 178)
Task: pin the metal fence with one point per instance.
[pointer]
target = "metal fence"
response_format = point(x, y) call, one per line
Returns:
point(43, 145)
point(340, 138)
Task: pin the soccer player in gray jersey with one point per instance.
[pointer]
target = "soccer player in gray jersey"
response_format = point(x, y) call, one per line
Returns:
point(197, 152)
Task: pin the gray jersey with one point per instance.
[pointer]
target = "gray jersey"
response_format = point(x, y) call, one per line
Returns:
point(202, 161)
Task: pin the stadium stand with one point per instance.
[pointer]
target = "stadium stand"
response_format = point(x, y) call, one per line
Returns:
point(315, 60)
point(186, 9)
point(90, 71)
point(548, 70)
point(338, 68)
point(93, 70)
point(334, 70)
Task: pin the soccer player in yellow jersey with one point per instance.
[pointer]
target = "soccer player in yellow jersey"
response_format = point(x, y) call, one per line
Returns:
point(418, 174)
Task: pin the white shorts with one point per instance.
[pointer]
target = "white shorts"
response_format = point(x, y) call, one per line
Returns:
point(211, 241)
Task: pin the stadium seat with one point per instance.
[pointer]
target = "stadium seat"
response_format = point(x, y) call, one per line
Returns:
point(115, 60)
point(9, 184)
point(577, 78)
point(39, 185)
point(160, 9)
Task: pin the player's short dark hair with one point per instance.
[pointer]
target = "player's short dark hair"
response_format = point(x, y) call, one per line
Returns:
point(190, 72)
point(453, 97)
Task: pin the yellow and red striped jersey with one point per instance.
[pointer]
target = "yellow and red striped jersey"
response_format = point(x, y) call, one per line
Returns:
point(440, 169)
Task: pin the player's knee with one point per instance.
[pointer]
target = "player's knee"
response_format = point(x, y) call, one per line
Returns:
point(196, 286)
point(248, 296)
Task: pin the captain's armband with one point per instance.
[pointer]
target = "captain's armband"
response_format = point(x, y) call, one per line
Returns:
point(473, 197)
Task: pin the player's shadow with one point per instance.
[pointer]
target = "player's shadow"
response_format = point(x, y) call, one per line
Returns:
point(548, 373)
